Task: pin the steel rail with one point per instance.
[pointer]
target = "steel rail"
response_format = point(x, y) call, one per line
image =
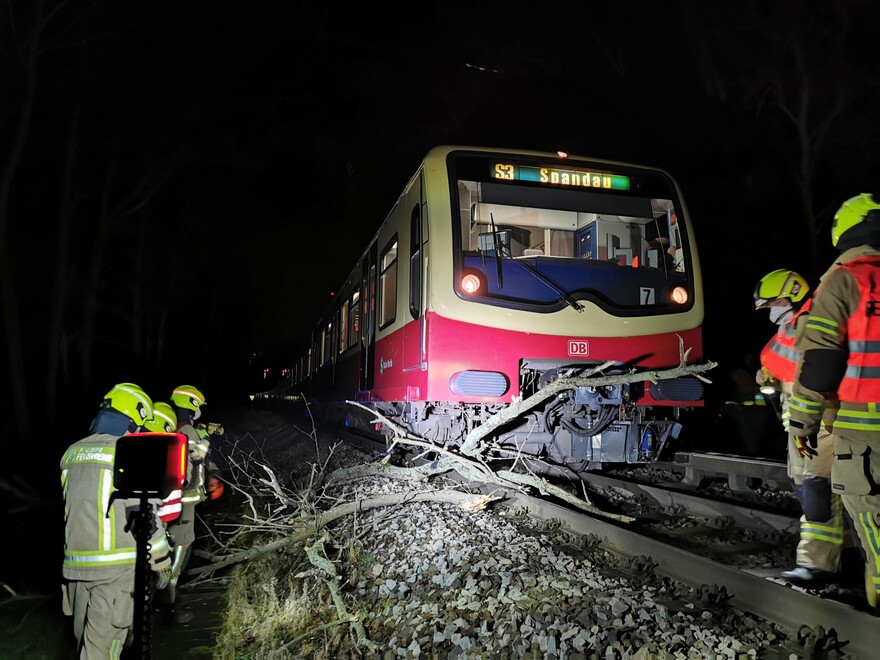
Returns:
point(748, 517)
point(788, 607)
point(777, 602)
point(739, 470)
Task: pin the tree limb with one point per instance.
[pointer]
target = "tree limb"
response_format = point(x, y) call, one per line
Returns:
point(471, 445)
point(324, 564)
point(320, 521)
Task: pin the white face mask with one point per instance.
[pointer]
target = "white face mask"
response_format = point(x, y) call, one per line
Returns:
point(777, 314)
point(198, 412)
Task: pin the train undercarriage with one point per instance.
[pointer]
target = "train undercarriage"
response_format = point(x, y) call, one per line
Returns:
point(581, 428)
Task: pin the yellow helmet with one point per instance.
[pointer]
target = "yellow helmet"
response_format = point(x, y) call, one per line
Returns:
point(779, 284)
point(164, 419)
point(852, 212)
point(188, 397)
point(131, 401)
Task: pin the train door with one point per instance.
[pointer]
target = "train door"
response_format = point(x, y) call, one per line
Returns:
point(368, 327)
point(414, 339)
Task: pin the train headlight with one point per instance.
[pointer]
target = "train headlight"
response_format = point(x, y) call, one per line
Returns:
point(679, 295)
point(470, 284)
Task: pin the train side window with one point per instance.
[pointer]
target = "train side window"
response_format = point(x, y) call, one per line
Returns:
point(388, 284)
point(354, 316)
point(415, 262)
point(343, 327)
point(326, 344)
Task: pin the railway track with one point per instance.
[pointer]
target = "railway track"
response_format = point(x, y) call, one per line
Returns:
point(727, 548)
point(809, 617)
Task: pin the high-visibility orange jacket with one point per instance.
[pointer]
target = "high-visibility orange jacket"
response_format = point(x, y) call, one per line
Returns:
point(840, 350)
point(779, 356)
point(861, 381)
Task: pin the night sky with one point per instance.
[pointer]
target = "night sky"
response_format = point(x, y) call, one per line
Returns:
point(226, 162)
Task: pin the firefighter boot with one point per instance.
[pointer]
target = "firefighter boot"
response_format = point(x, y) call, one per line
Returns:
point(805, 577)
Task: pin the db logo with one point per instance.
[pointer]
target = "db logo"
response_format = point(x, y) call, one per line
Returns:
point(578, 347)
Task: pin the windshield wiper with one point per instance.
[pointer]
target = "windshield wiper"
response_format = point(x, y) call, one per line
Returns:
point(563, 294)
point(496, 240)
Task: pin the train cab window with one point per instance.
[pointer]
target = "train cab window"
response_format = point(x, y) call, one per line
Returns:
point(541, 237)
point(388, 284)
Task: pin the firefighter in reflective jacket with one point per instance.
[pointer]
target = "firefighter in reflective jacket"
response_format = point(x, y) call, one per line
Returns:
point(840, 357)
point(213, 483)
point(165, 421)
point(99, 550)
point(822, 527)
point(186, 401)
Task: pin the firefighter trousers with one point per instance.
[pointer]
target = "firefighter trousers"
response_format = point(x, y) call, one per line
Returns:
point(822, 529)
point(103, 612)
point(855, 474)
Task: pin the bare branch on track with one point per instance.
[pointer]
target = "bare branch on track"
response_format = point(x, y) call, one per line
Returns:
point(472, 445)
point(317, 523)
point(472, 469)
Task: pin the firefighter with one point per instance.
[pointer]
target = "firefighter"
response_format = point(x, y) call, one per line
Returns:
point(186, 402)
point(839, 357)
point(99, 549)
point(214, 487)
point(784, 293)
point(165, 421)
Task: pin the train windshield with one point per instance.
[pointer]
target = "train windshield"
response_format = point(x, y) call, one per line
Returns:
point(541, 236)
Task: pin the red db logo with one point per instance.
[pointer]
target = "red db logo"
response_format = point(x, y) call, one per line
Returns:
point(578, 347)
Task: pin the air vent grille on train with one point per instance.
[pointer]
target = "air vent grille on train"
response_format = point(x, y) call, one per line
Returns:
point(478, 383)
point(686, 388)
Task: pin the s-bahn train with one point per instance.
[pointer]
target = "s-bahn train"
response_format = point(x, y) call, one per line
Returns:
point(497, 272)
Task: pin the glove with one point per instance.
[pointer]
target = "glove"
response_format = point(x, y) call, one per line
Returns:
point(761, 376)
point(163, 577)
point(806, 446)
point(211, 428)
point(199, 451)
point(767, 382)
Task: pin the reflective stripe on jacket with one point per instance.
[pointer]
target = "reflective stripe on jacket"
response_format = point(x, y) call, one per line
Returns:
point(779, 356)
point(171, 507)
point(96, 543)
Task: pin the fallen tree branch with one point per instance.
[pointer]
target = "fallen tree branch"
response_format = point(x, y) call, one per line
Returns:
point(332, 582)
point(320, 521)
point(545, 488)
point(417, 473)
point(469, 469)
point(403, 436)
point(312, 631)
point(502, 478)
point(471, 445)
point(273, 484)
